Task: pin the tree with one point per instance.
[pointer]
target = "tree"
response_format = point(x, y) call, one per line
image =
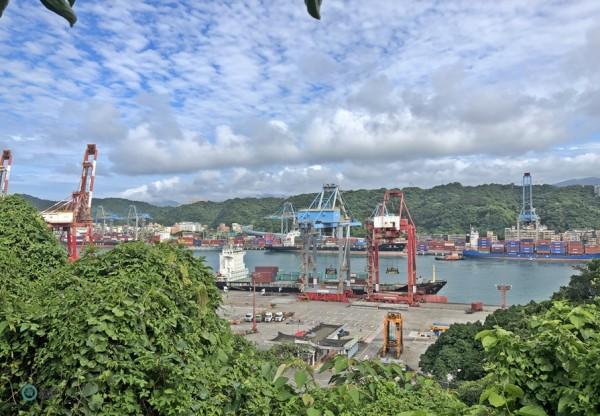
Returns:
point(455, 354)
point(583, 287)
point(554, 366)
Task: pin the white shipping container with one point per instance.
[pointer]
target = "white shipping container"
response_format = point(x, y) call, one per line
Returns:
point(387, 221)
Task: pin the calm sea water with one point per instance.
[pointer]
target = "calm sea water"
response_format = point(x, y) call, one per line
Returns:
point(468, 280)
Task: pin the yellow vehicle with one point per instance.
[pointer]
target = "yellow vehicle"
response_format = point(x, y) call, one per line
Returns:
point(439, 327)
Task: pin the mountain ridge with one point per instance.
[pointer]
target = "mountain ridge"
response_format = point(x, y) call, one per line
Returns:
point(579, 181)
point(450, 208)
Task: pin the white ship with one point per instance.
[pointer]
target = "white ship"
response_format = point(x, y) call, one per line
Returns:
point(231, 264)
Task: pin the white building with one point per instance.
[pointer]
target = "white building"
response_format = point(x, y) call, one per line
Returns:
point(190, 227)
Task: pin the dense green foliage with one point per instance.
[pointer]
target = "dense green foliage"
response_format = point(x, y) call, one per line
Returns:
point(457, 349)
point(583, 287)
point(455, 356)
point(541, 355)
point(451, 208)
point(28, 250)
point(555, 365)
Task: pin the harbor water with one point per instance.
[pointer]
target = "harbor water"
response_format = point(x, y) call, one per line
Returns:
point(468, 280)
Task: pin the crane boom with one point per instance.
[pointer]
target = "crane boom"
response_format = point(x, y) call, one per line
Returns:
point(76, 211)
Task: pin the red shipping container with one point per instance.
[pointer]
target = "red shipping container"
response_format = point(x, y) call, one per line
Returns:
point(262, 277)
point(268, 269)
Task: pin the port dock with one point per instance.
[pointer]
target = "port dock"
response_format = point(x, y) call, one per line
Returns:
point(361, 319)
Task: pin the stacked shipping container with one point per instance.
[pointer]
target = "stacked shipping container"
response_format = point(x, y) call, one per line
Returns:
point(513, 246)
point(483, 245)
point(575, 247)
point(592, 249)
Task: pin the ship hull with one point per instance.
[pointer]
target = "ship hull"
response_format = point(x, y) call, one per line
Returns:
point(474, 254)
point(392, 247)
point(429, 288)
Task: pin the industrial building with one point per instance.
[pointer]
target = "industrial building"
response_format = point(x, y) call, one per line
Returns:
point(322, 341)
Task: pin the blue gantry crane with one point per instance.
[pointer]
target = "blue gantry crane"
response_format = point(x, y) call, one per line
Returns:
point(327, 216)
point(527, 217)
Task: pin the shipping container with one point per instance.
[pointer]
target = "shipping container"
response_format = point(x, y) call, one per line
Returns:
point(262, 277)
point(271, 269)
point(592, 249)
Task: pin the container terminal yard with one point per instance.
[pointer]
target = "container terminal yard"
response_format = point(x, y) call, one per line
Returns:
point(361, 320)
point(366, 316)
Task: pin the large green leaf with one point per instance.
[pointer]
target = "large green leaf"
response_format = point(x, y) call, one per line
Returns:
point(496, 400)
point(62, 8)
point(3, 4)
point(89, 389)
point(301, 377)
point(531, 410)
point(314, 8)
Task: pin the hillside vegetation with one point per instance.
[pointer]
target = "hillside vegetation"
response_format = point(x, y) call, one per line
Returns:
point(451, 208)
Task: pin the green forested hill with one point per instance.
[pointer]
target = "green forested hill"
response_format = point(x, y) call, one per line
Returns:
point(448, 208)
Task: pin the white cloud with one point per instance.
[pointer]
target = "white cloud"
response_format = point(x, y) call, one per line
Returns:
point(259, 95)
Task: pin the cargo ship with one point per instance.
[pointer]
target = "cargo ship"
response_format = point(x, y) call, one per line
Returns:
point(389, 247)
point(528, 249)
point(233, 275)
point(476, 254)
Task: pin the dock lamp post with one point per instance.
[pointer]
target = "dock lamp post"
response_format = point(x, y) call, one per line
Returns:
point(502, 288)
point(254, 329)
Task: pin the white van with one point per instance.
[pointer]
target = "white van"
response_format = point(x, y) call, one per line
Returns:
point(279, 317)
point(248, 317)
point(268, 316)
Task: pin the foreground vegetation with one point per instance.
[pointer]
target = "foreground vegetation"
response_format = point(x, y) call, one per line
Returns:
point(451, 208)
point(546, 352)
point(136, 331)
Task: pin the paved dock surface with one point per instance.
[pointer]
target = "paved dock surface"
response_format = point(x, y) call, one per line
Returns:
point(363, 320)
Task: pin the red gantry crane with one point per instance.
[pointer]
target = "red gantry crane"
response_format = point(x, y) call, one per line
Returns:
point(76, 211)
point(5, 165)
point(386, 226)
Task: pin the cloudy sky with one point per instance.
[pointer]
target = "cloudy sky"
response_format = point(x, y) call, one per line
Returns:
point(193, 100)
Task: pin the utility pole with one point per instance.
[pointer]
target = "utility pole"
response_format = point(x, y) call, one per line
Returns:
point(254, 329)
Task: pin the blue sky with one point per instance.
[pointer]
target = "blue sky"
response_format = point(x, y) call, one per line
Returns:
point(195, 100)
